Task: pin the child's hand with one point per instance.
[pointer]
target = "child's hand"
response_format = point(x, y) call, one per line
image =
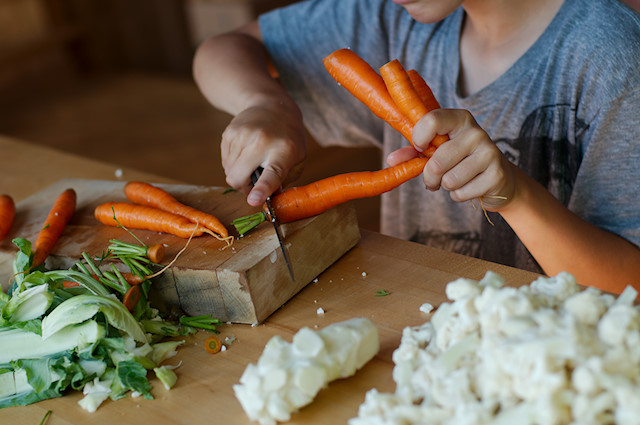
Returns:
point(269, 135)
point(469, 165)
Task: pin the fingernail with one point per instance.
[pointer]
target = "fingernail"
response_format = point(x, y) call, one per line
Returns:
point(253, 198)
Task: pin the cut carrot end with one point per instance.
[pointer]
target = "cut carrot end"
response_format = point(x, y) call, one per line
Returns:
point(156, 253)
point(213, 345)
point(131, 297)
point(246, 223)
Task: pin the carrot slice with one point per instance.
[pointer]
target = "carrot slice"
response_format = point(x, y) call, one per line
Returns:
point(213, 345)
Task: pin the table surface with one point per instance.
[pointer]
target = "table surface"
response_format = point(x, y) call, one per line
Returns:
point(412, 274)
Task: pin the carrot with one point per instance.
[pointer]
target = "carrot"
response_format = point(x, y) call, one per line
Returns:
point(213, 345)
point(70, 284)
point(424, 91)
point(7, 214)
point(402, 92)
point(131, 297)
point(361, 80)
point(57, 219)
point(412, 95)
point(155, 253)
point(305, 201)
point(430, 101)
point(412, 103)
point(153, 196)
point(148, 218)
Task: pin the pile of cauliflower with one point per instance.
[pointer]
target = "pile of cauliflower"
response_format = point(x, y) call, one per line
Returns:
point(547, 353)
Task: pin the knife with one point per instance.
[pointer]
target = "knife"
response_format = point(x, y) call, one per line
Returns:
point(254, 178)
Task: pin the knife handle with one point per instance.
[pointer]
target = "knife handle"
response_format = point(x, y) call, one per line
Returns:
point(256, 175)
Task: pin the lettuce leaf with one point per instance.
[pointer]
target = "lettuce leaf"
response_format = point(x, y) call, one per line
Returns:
point(133, 376)
point(83, 307)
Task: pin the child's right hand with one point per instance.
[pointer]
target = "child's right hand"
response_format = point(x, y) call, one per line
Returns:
point(268, 134)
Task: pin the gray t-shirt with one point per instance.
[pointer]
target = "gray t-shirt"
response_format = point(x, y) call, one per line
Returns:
point(566, 112)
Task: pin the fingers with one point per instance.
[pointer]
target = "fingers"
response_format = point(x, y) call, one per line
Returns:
point(401, 155)
point(254, 138)
point(459, 160)
point(469, 165)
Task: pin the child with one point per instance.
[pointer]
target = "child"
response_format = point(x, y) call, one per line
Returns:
point(539, 97)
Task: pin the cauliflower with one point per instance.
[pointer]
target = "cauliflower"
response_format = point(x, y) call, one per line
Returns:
point(546, 353)
point(288, 376)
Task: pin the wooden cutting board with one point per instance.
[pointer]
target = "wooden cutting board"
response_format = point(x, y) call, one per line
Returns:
point(244, 283)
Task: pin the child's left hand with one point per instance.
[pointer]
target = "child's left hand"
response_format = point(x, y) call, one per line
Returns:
point(469, 165)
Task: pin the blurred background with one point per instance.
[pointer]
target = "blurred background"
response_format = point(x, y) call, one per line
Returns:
point(111, 80)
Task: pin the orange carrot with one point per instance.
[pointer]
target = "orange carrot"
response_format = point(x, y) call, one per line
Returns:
point(411, 102)
point(148, 218)
point(7, 214)
point(155, 253)
point(70, 284)
point(423, 90)
point(305, 201)
point(153, 196)
point(402, 92)
point(361, 80)
point(131, 297)
point(132, 279)
point(57, 219)
point(213, 345)
point(430, 101)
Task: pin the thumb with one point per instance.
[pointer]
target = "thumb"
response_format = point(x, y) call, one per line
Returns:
point(268, 182)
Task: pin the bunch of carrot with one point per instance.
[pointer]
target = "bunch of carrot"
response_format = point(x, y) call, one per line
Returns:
point(155, 209)
point(400, 98)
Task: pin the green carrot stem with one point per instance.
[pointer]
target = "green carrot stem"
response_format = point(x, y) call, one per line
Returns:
point(246, 223)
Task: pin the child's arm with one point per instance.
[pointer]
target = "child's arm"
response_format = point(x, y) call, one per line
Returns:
point(232, 72)
point(470, 166)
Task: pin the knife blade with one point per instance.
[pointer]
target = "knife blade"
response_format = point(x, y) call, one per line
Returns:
point(254, 178)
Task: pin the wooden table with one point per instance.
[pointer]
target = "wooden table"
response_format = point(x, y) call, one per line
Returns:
point(413, 274)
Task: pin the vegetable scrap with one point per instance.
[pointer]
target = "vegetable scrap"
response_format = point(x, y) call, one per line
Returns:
point(86, 328)
point(382, 293)
point(213, 345)
point(45, 418)
point(551, 352)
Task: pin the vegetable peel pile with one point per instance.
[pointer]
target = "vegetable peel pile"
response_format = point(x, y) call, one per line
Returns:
point(72, 329)
point(546, 353)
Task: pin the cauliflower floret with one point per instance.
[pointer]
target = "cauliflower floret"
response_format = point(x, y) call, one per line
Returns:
point(546, 353)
